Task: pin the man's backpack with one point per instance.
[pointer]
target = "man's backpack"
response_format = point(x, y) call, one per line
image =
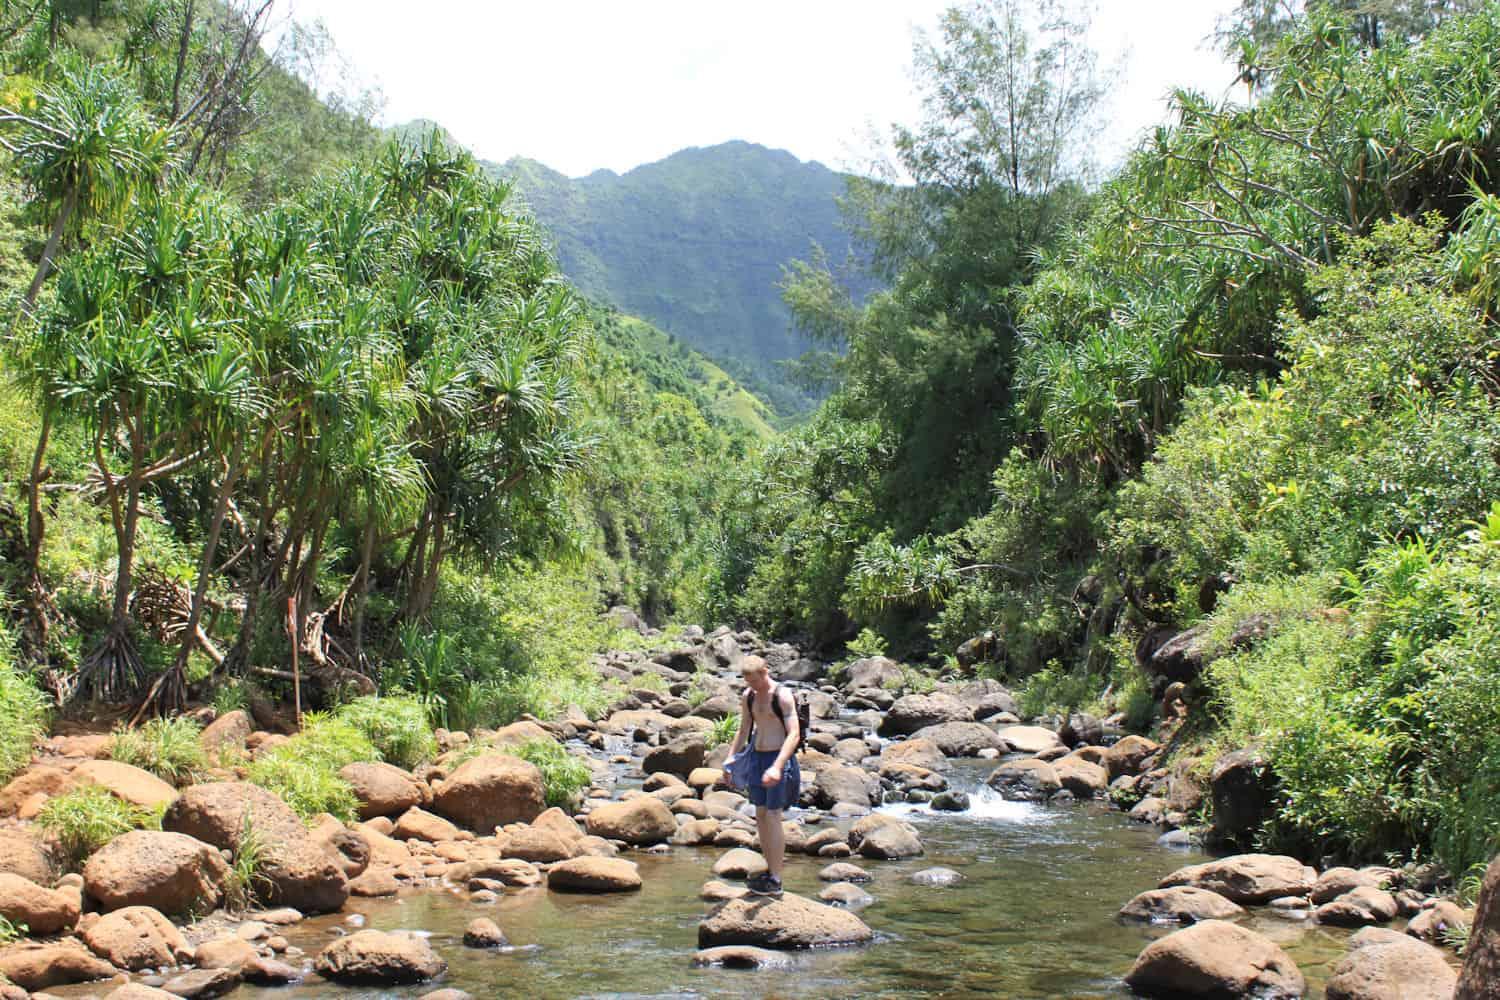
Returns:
point(804, 713)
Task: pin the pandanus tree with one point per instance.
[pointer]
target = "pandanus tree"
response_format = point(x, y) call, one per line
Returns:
point(85, 148)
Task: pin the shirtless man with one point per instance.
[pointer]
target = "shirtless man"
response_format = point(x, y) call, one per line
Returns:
point(775, 779)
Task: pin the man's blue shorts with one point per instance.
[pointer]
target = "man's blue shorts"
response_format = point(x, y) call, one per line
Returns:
point(781, 795)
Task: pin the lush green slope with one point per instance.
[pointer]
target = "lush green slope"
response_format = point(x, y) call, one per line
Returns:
point(695, 243)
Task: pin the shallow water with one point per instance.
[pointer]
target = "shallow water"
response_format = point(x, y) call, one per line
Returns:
point(1034, 917)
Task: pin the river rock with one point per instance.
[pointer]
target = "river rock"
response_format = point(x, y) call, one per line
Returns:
point(378, 958)
point(229, 730)
point(298, 870)
point(936, 877)
point(1242, 788)
point(880, 836)
point(228, 952)
point(1334, 882)
point(136, 937)
point(837, 783)
point(136, 991)
point(1357, 907)
point(917, 751)
point(43, 911)
point(1184, 904)
point(124, 781)
point(739, 862)
point(538, 844)
point(170, 872)
point(483, 932)
point(950, 801)
point(1081, 729)
point(914, 712)
point(737, 956)
point(383, 789)
point(1025, 780)
point(1129, 755)
point(202, 983)
point(681, 756)
point(961, 739)
point(1027, 739)
point(790, 922)
point(264, 971)
point(490, 791)
point(639, 821)
point(846, 894)
point(1385, 965)
point(590, 874)
point(1215, 959)
point(1081, 777)
point(21, 854)
point(1480, 979)
point(1250, 879)
point(1434, 923)
point(873, 672)
point(35, 965)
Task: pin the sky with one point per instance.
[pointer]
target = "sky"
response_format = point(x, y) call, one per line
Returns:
point(586, 84)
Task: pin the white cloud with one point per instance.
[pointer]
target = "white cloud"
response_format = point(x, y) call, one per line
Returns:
point(584, 84)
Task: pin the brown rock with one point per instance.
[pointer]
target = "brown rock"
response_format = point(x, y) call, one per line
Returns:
point(202, 983)
point(136, 937)
point(1025, 780)
point(170, 872)
point(1385, 965)
point(379, 958)
point(43, 911)
point(269, 972)
point(36, 966)
point(914, 712)
point(21, 854)
point(419, 824)
point(1215, 959)
point(124, 781)
point(1357, 907)
point(914, 751)
point(1081, 777)
point(739, 862)
point(1434, 923)
point(841, 783)
point(1248, 878)
point(1183, 904)
point(790, 922)
point(230, 952)
point(300, 872)
point(696, 833)
point(383, 789)
point(1128, 755)
point(37, 783)
point(740, 956)
point(589, 874)
point(960, 739)
point(1334, 882)
point(229, 730)
point(483, 932)
point(139, 991)
point(490, 791)
point(1028, 739)
point(639, 821)
point(533, 843)
point(375, 882)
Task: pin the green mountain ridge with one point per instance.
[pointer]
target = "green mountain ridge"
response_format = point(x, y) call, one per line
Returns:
point(695, 243)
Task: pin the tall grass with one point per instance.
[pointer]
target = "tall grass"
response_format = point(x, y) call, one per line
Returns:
point(23, 717)
point(88, 817)
point(168, 748)
point(564, 776)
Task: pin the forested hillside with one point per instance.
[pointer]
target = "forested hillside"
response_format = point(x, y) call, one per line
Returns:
point(696, 244)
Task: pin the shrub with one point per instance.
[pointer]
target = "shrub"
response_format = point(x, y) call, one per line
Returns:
point(564, 776)
point(168, 748)
point(88, 817)
point(230, 696)
point(23, 717)
point(1055, 690)
point(304, 769)
point(10, 931)
point(397, 726)
point(247, 879)
point(724, 731)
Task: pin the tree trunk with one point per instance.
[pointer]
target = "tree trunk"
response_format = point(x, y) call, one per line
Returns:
point(36, 528)
point(44, 266)
point(205, 564)
point(362, 587)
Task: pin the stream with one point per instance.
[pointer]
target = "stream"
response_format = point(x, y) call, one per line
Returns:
point(1034, 917)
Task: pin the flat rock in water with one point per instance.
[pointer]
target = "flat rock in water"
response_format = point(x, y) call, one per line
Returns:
point(1385, 965)
point(739, 956)
point(790, 922)
point(739, 862)
point(378, 958)
point(1248, 878)
point(936, 877)
point(1183, 904)
point(594, 875)
point(846, 894)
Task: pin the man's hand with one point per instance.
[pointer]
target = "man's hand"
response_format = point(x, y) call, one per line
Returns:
point(771, 776)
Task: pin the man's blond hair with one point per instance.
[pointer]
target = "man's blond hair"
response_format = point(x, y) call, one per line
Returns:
point(753, 663)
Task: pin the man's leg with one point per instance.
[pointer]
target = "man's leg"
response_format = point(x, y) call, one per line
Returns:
point(772, 838)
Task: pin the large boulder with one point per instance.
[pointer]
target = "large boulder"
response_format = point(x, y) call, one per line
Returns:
point(491, 791)
point(1025, 780)
point(1182, 904)
point(873, 672)
point(681, 756)
point(789, 922)
point(1480, 979)
point(1251, 879)
point(890, 841)
point(641, 820)
point(1080, 776)
point(916, 751)
point(960, 739)
point(170, 872)
point(37, 966)
point(1181, 657)
point(1082, 729)
point(1215, 959)
point(837, 783)
point(378, 958)
point(124, 781)
point(21, 854)
point(228, 731)
point(42, 910)
point(135, 938)
point(594, 875)
point(1129, 755)
point(1358, 907)
point(918, 711)
point(383, 789)
point(1439, 920)
point(298, 870)
point(419, 824)
point(1028, 739)
point(1242, 788)
point(1385, 965)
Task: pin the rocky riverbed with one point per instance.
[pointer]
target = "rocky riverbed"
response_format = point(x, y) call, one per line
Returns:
point(945, 847)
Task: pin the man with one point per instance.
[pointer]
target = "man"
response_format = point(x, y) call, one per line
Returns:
point(768, 721)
